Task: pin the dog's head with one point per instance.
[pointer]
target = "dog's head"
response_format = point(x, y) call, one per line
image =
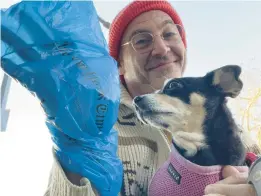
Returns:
point(184, 105)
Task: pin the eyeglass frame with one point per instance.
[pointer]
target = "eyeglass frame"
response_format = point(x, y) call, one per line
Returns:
point(152, 35)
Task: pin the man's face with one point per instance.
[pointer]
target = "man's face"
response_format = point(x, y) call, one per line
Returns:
point(147, 67)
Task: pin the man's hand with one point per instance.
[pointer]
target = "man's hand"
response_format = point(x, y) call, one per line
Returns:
point(234, 184)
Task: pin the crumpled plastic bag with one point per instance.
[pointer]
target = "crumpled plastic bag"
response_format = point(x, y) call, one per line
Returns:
point(57, 51)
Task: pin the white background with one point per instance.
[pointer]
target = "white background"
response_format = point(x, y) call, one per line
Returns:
point(218, 33)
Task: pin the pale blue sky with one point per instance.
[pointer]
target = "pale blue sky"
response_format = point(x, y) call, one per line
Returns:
point(218, 33)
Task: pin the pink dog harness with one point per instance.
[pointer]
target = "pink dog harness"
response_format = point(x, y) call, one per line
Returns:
point(180, 177)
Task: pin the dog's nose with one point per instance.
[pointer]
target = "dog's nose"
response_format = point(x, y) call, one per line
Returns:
point(137, 99)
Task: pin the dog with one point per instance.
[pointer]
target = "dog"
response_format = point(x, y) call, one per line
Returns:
point(195, 111)
point(204, 134)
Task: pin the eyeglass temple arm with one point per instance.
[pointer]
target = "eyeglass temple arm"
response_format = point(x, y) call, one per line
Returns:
point(127, 43)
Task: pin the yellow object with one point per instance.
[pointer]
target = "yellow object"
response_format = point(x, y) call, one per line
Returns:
point(247, 107)
point(250, 120)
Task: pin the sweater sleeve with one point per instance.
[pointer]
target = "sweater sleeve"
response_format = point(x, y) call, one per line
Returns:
point(249, 143)
point(59, 185)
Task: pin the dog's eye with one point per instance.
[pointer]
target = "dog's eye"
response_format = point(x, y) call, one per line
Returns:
point(174, 85)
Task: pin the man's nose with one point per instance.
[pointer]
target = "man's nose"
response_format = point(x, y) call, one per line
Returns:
point(160, 47)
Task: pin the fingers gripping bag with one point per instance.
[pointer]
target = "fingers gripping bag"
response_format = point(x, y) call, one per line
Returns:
point(57, 51)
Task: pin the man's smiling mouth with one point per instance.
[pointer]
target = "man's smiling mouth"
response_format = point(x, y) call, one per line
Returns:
point(160, 65)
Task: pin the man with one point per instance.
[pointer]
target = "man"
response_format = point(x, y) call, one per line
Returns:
point(148, 40)
point(234, 184)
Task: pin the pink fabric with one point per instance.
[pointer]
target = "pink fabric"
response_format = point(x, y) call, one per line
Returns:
point(180, 177)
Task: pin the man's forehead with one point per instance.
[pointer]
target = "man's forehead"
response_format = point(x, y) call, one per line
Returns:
point(150, 16)
point(145, 20)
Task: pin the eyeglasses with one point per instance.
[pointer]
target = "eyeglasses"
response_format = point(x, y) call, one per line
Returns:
point(144, 42)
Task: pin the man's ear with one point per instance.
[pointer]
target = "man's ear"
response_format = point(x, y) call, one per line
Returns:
point(226, 80)
point(121, 69)
point(121, 65)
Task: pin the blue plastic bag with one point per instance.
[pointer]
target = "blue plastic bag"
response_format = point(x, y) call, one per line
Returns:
point(57, 51)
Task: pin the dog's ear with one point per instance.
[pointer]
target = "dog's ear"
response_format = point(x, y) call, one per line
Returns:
point(226, 80)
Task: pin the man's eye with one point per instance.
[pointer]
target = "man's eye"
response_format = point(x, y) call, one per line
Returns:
point(169, 35)
point(142, 42)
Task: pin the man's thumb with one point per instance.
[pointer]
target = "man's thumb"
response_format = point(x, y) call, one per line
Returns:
point(229, 171)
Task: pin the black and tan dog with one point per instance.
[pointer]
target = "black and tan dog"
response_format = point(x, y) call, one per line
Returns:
point(194, 110)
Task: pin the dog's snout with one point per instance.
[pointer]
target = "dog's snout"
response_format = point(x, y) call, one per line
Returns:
point(137, 99)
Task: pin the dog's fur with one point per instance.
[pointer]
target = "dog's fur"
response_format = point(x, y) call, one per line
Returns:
point(194, 110)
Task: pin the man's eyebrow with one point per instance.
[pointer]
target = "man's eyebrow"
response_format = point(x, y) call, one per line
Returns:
point(164, 23)
point(138, 31)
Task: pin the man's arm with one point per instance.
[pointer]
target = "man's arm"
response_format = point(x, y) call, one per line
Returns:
point(63, 183)
point(238, 184)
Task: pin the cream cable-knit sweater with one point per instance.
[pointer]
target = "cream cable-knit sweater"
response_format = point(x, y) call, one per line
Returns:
point(142, 150)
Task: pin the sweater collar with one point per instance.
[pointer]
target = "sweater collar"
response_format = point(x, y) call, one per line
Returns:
point(126, 99)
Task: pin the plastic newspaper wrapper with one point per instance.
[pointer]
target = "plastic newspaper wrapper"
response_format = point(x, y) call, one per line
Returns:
point(57, 51)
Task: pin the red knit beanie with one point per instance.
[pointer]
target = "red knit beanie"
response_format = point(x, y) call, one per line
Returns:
point(130, 12)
